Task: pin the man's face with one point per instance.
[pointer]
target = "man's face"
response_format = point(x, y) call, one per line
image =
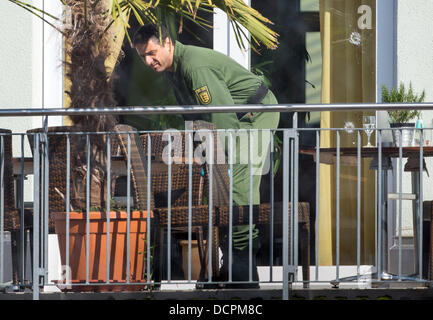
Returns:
point(157, 57)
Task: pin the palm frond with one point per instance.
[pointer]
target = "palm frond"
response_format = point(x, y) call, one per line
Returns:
point(241, 16)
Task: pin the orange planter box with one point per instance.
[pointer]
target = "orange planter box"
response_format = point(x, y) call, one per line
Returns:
point(98, 249)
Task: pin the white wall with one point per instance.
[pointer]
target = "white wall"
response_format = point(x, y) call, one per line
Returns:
point(224, 39)
point(31, 73)
point(414, 52)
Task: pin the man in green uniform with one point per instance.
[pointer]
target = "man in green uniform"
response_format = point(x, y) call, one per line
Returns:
point(207, 77)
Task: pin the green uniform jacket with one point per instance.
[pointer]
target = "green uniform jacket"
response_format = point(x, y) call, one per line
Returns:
point(207, 77)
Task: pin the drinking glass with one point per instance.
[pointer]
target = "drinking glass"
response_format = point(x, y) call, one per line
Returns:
point(349, 127)
point(369, 123)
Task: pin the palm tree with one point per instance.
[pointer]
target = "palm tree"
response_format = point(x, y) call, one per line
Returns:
point(93, 32)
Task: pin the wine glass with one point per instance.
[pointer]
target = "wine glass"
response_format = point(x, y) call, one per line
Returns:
point(349, 127)
point(368, 123)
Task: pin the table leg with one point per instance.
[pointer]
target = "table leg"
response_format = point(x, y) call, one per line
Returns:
point(415, 217)
point(383, 224)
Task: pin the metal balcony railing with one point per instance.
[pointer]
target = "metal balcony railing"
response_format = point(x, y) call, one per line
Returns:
point(184, 182)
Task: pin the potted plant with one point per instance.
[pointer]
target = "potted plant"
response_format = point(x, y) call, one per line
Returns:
point(76, 274)
point(401, 119)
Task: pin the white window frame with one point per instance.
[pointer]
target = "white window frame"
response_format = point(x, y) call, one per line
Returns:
point(224, 39)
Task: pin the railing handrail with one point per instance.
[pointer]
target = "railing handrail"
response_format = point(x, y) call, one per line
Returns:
point(214, 109)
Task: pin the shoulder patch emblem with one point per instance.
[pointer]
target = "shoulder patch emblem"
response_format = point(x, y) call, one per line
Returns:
point(203, 95)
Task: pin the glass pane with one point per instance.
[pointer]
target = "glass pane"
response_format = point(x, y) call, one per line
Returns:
point(313, 68)
point(309, 5)
point(313, 74)
point(326, 55)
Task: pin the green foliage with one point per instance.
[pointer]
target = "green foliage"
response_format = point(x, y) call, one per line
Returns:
point(239, 14)
point(401, 96)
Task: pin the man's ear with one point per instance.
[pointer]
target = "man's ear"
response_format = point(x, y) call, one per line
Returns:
point(168, 42)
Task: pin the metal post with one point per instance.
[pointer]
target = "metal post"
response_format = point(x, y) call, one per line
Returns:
point(231, 207)
point(337, 249)
point(190, 161)
point(108, 208)
point(67, 204)
point(149, 180)
point(128, 210)
point(285, 215)
point(380, 213)
point(317, 201)
point(400, 157)
point(358, 208)
point(210, 145)
point(20, 197)
point(87, 206)
point(420, 204)
point(250, 237)
point(169, 211)
point(271, 223)
point(45, 184)
point(36, 257)
point(295, 209)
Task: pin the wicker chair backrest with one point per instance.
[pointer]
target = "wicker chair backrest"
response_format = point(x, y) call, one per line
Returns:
point(139, 162)
point(11, 215)
point(179, 181)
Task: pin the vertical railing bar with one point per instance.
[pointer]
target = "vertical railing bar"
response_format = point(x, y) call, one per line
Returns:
point(2, 211)
point(209, 246)
point(42, 207)
point(87, 206)
point(128, 210)
point(46, 181)
point(285, 217)
point(380, 239)
point(250, 236)
point(190, 161)
point(358, 207)
point(67, 203)
point(108, 206)
point(420, 203)
point(337, 236)
point(293, 212)
point(400, 202)
point(149, 180)
point(295, 208)
point(317, 201)
point(169, 211)
point(271, 226)
point(231, 207)
point(22, 229)
point(35, 283)
point(291, 199)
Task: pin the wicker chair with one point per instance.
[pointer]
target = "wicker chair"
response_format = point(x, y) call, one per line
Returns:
point(159, 191)
point(220, 210)
point(261, 213)
point(179, 193)
point(12, 216)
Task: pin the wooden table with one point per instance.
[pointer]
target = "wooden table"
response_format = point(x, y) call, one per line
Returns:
point(348, 156)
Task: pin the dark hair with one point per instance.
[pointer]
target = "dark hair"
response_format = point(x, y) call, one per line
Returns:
point(148, 31)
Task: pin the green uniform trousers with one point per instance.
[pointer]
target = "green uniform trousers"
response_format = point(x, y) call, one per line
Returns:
point(241, 171)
